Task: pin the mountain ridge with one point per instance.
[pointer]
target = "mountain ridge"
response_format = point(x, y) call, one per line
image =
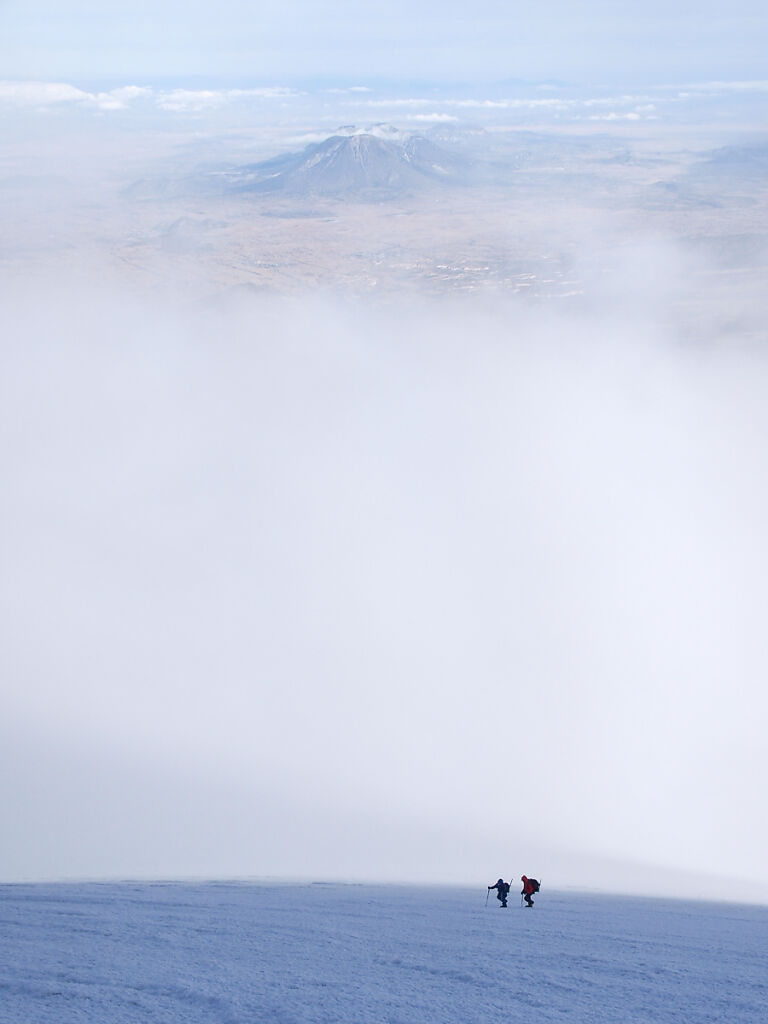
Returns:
point(354, 161)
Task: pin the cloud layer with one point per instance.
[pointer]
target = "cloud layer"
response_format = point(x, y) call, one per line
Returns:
point(471, 571)
point(44, 95)
point(545, 102)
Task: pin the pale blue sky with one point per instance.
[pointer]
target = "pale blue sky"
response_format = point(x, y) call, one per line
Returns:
point(491, 39)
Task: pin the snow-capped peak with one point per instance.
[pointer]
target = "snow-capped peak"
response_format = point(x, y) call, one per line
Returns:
point(378, 131)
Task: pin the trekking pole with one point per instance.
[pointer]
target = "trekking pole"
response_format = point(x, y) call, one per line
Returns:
point(487, 894)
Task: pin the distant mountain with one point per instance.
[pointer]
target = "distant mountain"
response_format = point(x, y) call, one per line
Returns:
point(354, 161)
point(745, 165)
point(381, 161)
point(675, 195)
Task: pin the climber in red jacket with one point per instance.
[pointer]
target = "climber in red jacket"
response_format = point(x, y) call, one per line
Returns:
point(530, 886)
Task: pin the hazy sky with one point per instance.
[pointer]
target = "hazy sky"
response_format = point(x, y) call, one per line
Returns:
point(647, 41)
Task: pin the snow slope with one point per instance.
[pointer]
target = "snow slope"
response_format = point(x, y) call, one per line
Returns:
point(233, 953)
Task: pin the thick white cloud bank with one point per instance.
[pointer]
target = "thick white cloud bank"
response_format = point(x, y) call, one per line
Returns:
point(310, 589)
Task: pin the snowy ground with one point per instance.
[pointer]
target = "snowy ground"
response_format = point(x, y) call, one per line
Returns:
point(257, 954)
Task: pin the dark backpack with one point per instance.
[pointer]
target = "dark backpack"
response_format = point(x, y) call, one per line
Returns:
point(534, 885)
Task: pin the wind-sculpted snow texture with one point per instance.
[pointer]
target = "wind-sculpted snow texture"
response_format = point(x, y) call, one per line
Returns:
point(252, 954)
